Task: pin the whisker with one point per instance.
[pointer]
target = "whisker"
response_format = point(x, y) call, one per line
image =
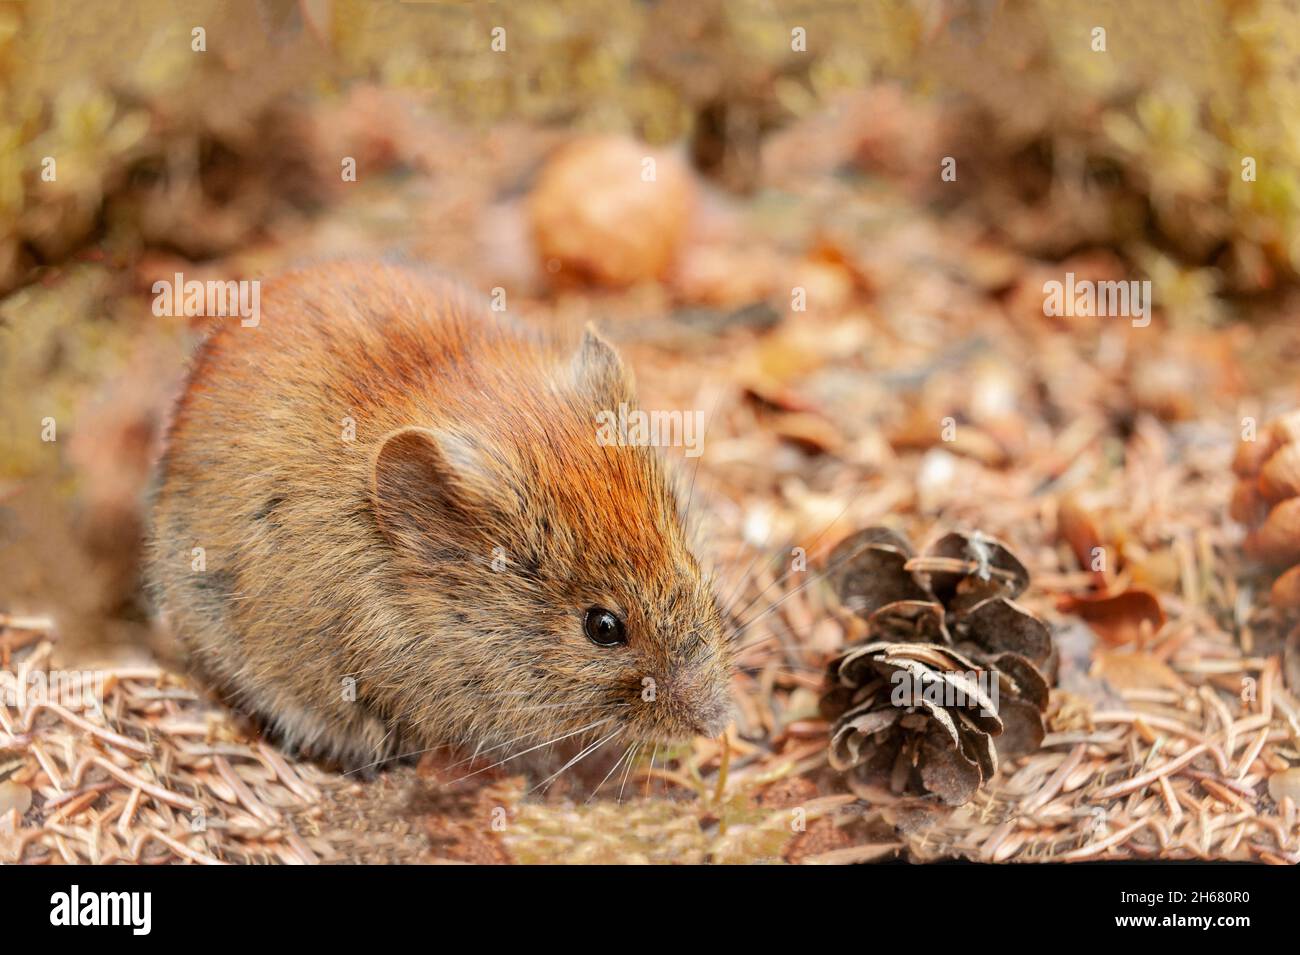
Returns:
point(806, 584)
point(549, 742)
point(546, 783)
point(522, 736)
point(612, 770)
point(627, 770)
point(790, 648)
point(479, 751)
point(460, 762)
point(397, 756)
point(739, 587)
point(816, 540)
point(650, 774)
point(690, 496)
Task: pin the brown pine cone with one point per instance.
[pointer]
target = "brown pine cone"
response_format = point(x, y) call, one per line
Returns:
point(951, 675)
point(1266, 499)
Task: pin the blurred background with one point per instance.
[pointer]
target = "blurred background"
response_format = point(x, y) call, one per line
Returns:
point(801, 147)
point(856, 209)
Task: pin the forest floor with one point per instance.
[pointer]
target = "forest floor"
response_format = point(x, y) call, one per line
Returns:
point(1171, 731)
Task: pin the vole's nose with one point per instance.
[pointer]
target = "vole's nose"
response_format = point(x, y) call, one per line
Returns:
point(712, 718)
point(713, 726)
point(699, 701)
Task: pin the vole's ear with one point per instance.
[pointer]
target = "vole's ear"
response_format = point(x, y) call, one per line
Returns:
point(600, 373)
point(423, 487)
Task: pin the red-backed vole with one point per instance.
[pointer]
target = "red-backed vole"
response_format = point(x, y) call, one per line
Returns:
point(384, 520)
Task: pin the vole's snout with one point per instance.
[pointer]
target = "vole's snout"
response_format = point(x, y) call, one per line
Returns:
point(714, 721)
point(700, 703)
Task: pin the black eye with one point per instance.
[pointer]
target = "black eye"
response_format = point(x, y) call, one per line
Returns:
point(603, 628)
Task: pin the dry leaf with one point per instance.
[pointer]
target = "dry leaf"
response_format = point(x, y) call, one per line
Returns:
point(1117, 618)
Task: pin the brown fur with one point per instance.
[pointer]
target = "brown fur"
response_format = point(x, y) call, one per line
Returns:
point(373, 559)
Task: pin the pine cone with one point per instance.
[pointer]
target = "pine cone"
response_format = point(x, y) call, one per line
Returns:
point(1266, 499)
point(951, 676)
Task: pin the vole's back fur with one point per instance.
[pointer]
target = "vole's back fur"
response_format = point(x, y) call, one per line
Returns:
point(383, 513)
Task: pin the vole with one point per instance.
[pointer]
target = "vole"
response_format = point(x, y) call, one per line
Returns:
point(383, 519)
